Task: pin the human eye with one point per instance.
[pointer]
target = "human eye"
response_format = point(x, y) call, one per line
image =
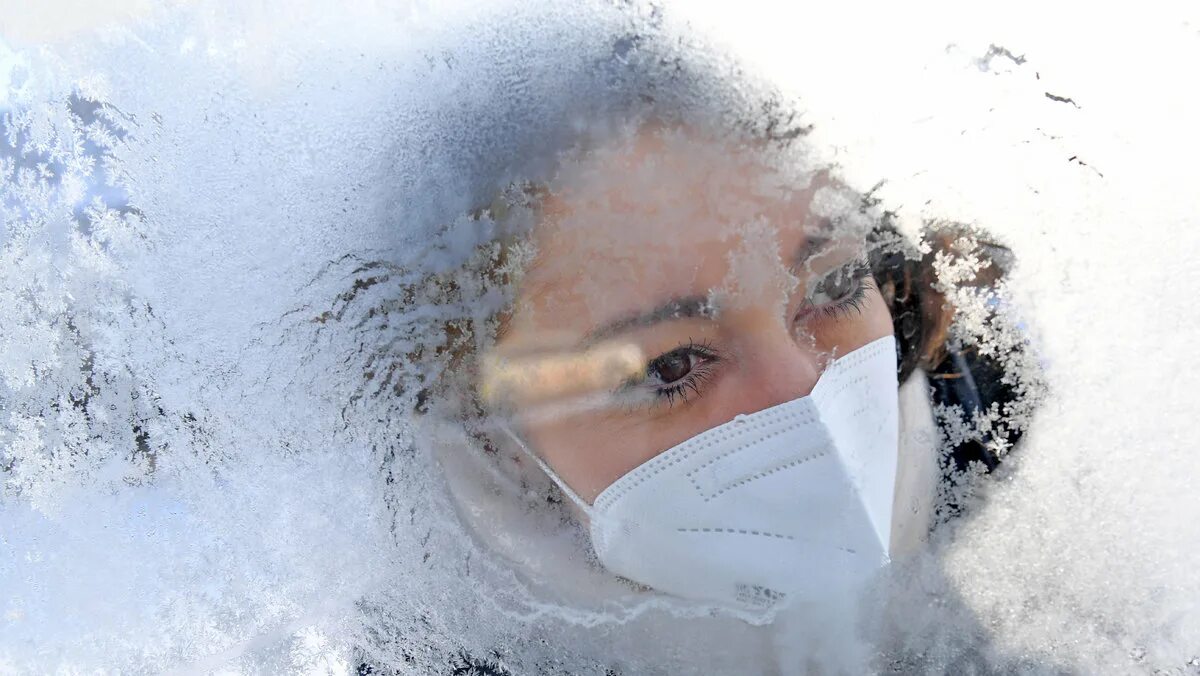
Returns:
point(837, 292)
point(677, 375)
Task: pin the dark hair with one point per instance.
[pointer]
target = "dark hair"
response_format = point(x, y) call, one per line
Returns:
point(968, 385)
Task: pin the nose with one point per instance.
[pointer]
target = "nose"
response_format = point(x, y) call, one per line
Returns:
point(775, 367)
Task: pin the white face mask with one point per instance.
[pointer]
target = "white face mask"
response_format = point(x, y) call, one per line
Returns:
point(793, 502)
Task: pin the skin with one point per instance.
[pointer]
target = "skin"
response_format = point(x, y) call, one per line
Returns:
point(673, 215)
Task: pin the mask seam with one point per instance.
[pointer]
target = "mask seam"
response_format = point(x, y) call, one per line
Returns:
point(852, 360)
point(755, 477)
point(736, 531)
point(846, 385)
point(686, 450)
point(808, 420)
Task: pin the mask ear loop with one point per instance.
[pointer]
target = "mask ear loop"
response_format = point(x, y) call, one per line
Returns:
point(562, 485)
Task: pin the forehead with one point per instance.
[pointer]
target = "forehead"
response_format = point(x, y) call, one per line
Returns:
point(661, 215)
point(668, 182)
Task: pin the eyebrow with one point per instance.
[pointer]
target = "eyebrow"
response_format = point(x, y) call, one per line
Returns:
point(688, 307)
point(698, 307)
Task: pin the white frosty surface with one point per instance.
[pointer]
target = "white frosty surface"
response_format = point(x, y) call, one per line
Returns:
point(1085, 552)
point(268, 144)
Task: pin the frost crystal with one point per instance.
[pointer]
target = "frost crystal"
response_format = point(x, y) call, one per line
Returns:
point(247, 254)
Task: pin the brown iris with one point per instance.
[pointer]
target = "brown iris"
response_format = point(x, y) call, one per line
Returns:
point(670, 367)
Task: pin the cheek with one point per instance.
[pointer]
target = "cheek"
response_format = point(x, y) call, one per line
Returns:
point(589, 454)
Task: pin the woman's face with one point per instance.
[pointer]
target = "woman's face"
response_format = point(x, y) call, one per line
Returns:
point(719, 269)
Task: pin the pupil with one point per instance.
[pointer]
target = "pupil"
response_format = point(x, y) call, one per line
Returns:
point(671, 367)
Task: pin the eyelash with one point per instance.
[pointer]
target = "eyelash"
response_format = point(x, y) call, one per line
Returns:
point(852, 303)
point(702, 371)
point(699, 375)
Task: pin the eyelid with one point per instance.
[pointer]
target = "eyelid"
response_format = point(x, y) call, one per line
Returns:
point(858, 268)
point(861, 275)
point(829, 257)
point(701, 372)
point(702, 349)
